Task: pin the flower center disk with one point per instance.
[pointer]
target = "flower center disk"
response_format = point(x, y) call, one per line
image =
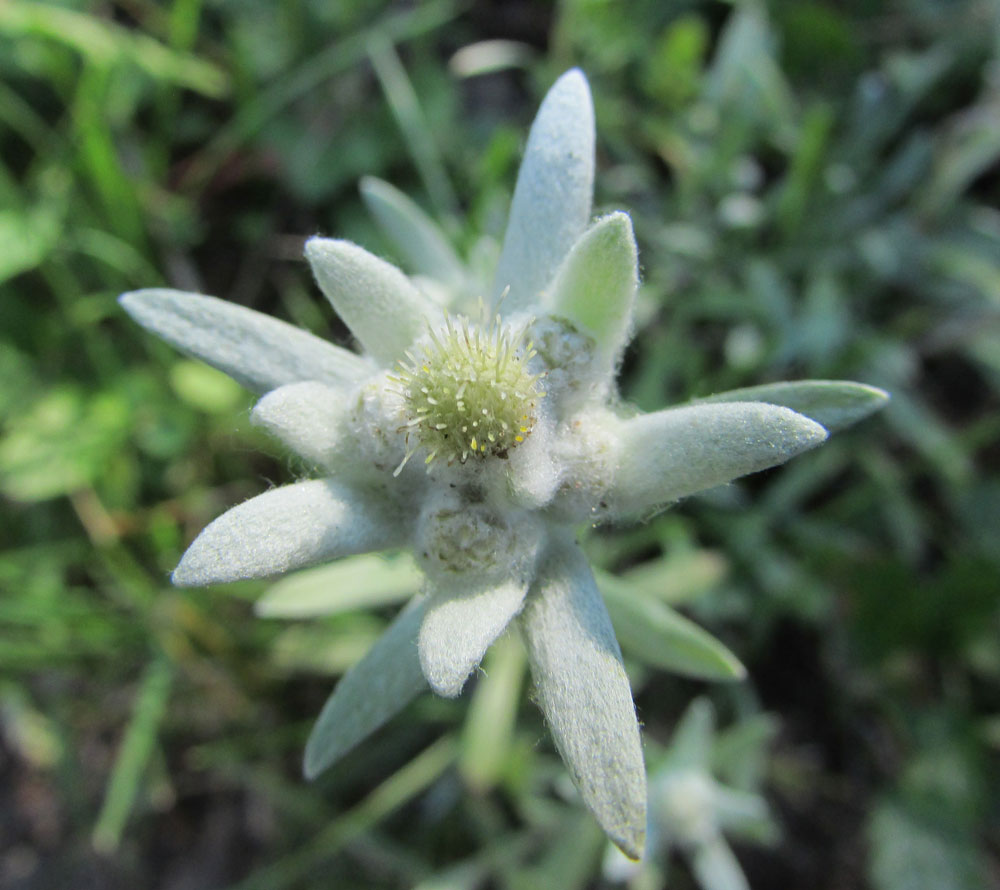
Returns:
point(468, 391)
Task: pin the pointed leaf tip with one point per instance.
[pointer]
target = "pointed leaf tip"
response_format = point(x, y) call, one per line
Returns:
point(380, 685)
point(584, 693)
point(596, 285)
point(420, 242)
point(306, 417)
point(284, 529)
point(552, 198)
point(459, 627)
point(572, 82)
point(374, 298)
point(259, 352)
point(835, 404)
point(677, 452)
point(664, 638)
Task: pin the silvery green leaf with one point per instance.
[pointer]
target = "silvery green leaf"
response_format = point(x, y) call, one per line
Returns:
point(552, 198)
point(676, 452)
point(326, 649)
point(716, 868)
point(596, 284)
point(679, 576)
point(256, 350)
point(461, 623)
point(376, 301)
point(304, 416)
point(691, 740)
point(584, 693)
point(739, 754)
point(415, 235)
point(288, 528)
point(206, 388)
point(833, 403)
point(661, 637)
point(741, 811)
point(745, 73)
point(618, 868)
point(355, 582)
point(491, 56)
point(488, 734)
point(380, 685)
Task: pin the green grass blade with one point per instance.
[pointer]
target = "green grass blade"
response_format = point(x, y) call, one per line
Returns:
point(340, 56)
point(136, 749)
point(406, 110)
point(489, 728)
point(398, 789)
point(103, 43)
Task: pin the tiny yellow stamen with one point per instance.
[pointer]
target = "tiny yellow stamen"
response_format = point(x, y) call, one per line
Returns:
point(465, 379)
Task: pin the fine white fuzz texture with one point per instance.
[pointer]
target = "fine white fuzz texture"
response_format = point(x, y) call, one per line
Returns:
point(584, 692)
point(308, 417)
point(469, 391)
point(380, 305)
point(373, 691)
point(552, 199)
point(460, 624)
point(288, 528)
point(674, 453)
point(596, 284)
point(478, 446)
point(257, 351)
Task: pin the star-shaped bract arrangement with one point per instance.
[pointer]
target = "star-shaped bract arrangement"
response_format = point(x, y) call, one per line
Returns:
point(690, 811)
point(480, 443)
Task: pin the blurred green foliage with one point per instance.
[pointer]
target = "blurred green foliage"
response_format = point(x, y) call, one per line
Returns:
point(815, 189)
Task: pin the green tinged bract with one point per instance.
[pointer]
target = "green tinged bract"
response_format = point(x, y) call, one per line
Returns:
point(517, 436)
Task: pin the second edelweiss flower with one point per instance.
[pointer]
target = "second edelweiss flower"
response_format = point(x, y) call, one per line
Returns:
point(479, 445)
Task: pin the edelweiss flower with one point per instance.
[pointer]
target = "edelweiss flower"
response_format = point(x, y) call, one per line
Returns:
point(689, 810)
point(480, 442)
